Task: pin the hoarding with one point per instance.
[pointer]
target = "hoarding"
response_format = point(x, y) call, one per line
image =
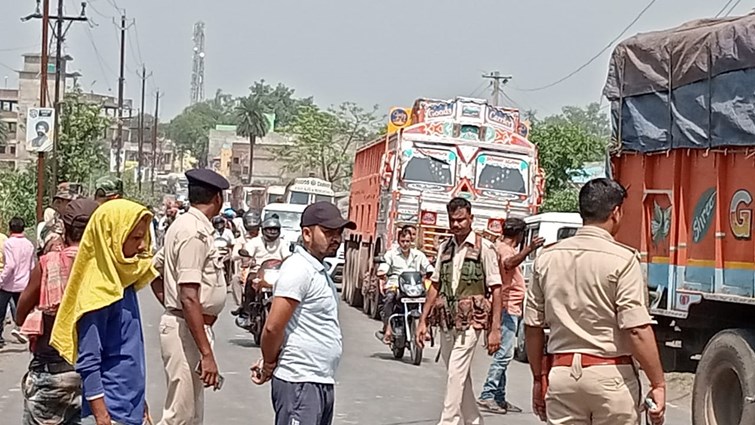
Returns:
point(39, 129)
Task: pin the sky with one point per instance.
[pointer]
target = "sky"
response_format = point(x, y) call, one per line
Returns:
point(385, 52)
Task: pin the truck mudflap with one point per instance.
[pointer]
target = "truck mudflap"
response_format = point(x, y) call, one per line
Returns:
point(724, 389)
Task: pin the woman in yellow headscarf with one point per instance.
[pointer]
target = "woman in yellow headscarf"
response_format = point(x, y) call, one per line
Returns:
point(98, 327)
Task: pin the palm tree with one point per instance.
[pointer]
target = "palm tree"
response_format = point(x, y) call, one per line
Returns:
point(251, 122)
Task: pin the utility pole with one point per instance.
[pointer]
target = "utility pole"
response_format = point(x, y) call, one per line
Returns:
point(498, 81)
point(154, 140)
point(141, 129)
point(44, 15)
point(42, 104)
point(121, 80)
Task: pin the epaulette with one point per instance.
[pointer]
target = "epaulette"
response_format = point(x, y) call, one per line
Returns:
point(634, 251)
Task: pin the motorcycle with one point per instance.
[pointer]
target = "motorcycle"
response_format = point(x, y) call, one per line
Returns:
point(257, 298)
point(403, 321)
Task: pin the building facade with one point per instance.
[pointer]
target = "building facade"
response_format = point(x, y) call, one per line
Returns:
point(229, 155)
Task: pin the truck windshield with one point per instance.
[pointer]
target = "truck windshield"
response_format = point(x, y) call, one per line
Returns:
point(299, 198)
point(502, 174)
point(424, 168)
point(288, 219)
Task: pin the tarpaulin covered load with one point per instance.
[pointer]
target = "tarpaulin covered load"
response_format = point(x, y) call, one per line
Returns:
point(688, 87)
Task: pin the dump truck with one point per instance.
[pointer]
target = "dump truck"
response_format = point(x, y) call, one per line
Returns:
point(683, 112)
point(440, 149)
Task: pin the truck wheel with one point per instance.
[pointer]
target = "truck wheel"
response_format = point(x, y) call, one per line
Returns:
point(375, 306)
point(725, 380)
point(366, 304)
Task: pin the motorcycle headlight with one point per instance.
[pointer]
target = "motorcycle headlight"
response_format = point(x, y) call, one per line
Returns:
point(412, 290)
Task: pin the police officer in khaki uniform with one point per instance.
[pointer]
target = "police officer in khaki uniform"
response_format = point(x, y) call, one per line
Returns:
point(589, 290)
point(466, 272)
point(193, 292)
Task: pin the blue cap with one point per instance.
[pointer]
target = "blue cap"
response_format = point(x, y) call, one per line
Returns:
point(207, 178)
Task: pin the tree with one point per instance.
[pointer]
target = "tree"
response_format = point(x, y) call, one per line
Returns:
point(565, 143)
point(564, 200)
point(190, 129)
point(280, 101)
point(325, 141)
point(82, 155)
point(251, 123)
point(590, 118)
point(17, 189)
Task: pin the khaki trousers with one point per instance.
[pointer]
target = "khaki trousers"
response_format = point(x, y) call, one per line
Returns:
point(459, 406)
point(184, 403)
point(237, 288)
point(595, 395)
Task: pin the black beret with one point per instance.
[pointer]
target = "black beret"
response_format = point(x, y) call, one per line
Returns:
point(207, 178)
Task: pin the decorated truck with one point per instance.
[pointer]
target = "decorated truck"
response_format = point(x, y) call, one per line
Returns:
point(683, 109)
point(439, 149)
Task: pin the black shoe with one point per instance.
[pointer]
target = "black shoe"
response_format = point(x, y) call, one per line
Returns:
point(236, 312)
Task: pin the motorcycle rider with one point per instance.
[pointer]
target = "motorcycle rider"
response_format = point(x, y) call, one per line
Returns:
point(266, 246)
point(269, 245)
point(402, 258)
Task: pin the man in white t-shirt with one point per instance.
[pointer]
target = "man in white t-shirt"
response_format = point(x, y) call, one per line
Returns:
point(302, 342)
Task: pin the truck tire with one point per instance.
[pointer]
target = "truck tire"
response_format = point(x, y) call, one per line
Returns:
point(725, 380)
point(347, 277)
point(366, 304)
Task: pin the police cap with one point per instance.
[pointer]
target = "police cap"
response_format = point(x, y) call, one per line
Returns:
point(207, 178)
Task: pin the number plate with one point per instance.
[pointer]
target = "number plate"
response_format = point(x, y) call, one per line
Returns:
point(412, 300)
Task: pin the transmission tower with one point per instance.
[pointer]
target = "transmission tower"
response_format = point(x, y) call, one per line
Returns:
point(197, 69)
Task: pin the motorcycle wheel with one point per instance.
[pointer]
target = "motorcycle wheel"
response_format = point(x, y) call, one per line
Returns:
point(414, 350)
point(399, 340)
point(398, 351)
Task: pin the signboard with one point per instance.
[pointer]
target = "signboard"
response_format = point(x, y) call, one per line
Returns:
point(398, 118)
point(39, 125)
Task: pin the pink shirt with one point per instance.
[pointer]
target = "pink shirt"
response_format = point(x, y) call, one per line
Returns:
point(513, 288)
point(19, 262)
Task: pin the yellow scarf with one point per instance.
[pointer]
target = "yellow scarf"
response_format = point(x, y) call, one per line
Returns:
point(100, 271)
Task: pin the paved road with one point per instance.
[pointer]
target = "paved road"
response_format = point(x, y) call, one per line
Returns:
point(373, 389)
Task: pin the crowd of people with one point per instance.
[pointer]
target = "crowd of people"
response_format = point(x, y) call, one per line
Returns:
point(75, 303)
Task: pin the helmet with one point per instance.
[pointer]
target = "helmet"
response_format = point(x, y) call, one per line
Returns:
point(251, 220)
point(229, 213)
point(218, 222)
point(271, 223)
point(271, 228)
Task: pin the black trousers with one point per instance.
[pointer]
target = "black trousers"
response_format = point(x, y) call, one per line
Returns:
point(302, 403)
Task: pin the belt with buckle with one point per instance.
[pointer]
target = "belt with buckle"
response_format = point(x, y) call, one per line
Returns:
point(208, 320)
point(565, 360)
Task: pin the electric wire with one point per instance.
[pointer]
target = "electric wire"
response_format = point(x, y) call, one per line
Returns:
point(594, 58)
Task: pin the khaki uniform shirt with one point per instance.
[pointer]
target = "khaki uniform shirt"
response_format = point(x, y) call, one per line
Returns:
point(488, 257)
point(189, 256)
point(587, 289)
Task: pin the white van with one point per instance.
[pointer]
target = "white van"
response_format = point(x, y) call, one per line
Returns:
point(553, 227)
point(290, 219)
